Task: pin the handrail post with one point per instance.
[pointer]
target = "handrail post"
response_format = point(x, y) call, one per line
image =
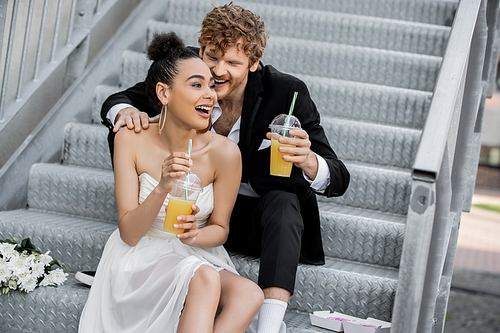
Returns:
point(414, 257)
point(493, 45)
point(82, 12)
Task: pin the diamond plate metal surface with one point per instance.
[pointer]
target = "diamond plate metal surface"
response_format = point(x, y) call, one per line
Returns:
point(86, 145)
point(362, 239)
point(134, 68)
point(354, 289)
point(368, 102)
point(372, 143)
point(353, 63)
point(45, 310)
point(433, 12)
point(374, 188)
point(345, 62)
point(79, 191)
point(327, 26)
point(77, 242)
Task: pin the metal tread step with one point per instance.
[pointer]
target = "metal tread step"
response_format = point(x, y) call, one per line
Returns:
point(372, 143)
point(368, 102)
point(352, 288)
point(327, 26)
point(86, 145)
point(346, 62)
point(77, 242)
point(78, 191)
point(425, 11)
point(48, 310)
point(365, 239)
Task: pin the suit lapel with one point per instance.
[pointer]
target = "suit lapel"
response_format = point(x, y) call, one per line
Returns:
point(251, 103)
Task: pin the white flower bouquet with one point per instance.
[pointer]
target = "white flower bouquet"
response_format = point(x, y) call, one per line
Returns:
point(23, 267)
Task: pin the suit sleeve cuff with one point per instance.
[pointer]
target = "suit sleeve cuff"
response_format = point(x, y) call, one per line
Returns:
point(322, 180)
point(111, 115)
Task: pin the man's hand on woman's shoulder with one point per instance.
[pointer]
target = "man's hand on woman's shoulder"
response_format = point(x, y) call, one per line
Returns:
point(132, 118)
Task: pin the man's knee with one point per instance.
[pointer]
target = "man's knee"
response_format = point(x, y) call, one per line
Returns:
point(282, 208)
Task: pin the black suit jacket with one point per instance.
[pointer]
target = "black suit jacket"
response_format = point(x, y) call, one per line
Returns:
point(269, 93)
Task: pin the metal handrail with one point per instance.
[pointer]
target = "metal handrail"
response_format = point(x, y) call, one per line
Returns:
point(435, 134)
point(431, 219)
point(74, 36)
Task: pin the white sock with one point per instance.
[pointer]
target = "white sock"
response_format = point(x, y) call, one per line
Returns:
point(271, 315)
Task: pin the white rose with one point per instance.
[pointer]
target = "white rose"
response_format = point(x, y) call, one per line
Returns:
point(12, 284)
point(7, 250)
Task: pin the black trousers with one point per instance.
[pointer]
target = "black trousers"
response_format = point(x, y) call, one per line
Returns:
point(269, 227)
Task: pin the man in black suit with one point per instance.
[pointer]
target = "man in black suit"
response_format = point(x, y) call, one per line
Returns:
point(274, 218)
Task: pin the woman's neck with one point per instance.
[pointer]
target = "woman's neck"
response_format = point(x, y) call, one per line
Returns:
point(175, 138)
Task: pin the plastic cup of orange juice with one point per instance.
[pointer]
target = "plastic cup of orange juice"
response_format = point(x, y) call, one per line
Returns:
point(183, 195)
point(280, 127)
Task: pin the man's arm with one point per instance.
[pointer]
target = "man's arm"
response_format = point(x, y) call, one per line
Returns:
point(136, 97)
point(313, 145)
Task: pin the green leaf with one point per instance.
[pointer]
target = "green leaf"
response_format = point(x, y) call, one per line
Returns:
point(27, 245)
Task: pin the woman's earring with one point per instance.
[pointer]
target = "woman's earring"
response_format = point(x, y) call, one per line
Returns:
point(208, 127)
point(163, 118)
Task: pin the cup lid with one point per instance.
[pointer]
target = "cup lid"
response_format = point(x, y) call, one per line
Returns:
point(191, 182)
point(285, 120)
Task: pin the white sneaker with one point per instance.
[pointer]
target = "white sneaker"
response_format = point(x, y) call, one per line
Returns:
point(85, 277)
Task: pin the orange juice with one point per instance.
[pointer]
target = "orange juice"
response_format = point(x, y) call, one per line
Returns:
point(279, 167)
point(175, 208)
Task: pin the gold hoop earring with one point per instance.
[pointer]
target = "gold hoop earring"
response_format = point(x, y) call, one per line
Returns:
point(163, 118)
point(208, 127)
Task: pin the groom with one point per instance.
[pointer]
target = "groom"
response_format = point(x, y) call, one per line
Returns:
point(274, 218)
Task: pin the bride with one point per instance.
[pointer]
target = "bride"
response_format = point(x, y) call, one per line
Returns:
point(149, 280)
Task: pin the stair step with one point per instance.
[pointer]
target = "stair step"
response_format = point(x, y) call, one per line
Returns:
point(368, 102)
point(327, 26)
point(353, 63)
point(86, 145)
point(355, 289)
point(337, 61)
point(84, 192)
point(375, 188)
point(354, 235)
point(425, 11)
point(77, 242)
point(48, 310)
point(372, 143)
point(101, 92)
point(44, 310)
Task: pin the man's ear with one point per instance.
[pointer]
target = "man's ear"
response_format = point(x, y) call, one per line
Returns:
point(254, 67)
point(162, 91)
point(202, 49)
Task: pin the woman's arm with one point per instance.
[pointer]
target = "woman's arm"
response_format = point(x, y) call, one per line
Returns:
point(135, 220)
point(227, 163)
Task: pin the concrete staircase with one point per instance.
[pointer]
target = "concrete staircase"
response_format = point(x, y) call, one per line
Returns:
point(371, 67)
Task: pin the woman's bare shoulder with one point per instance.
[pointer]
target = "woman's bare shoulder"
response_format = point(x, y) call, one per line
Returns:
point(224, 146)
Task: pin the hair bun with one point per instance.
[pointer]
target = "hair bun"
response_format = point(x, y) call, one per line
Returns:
point(164, 44)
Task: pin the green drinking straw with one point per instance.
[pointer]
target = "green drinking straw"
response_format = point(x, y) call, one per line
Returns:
point(190, 145)
point(291, 110)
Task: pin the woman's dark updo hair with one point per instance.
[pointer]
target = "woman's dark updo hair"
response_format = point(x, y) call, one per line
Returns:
point(165, 50)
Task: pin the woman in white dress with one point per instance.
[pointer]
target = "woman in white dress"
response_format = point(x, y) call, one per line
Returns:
point(149, 280)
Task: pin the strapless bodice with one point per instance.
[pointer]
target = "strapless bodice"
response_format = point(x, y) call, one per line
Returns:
point(205, 202)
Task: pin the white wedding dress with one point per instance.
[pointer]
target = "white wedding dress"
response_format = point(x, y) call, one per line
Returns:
point(143, 288)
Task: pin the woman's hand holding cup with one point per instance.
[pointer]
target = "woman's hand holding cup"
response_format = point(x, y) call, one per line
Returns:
point(190, 226)
point(176, 165)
